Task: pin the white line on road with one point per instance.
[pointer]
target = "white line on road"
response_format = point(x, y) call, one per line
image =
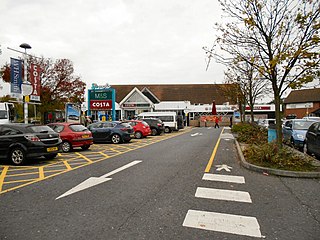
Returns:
point(220, 222)
point(221, 194)
point(194, 134)
point(223, 178)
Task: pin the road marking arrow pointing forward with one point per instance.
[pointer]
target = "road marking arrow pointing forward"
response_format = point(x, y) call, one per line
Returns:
point(93, 181)
point(223, 166)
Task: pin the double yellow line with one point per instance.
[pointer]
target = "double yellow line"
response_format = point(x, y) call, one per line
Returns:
point(209, 165)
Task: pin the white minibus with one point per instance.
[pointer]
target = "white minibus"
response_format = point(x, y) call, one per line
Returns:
point(7, 113)
point(169, 119)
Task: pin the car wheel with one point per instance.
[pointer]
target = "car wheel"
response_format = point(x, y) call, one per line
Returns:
point(115, 138)
point(154, 132)
point(51, 156)
point(138, 135)
point(85, 147)
point(167, 130)
point(66, 146)
point(17, 156)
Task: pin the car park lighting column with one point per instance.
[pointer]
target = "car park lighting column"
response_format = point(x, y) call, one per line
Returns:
point(27, 88)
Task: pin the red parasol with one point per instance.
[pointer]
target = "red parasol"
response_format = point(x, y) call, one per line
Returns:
point(214, 110)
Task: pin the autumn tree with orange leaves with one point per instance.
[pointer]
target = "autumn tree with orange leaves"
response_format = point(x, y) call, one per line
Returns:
point(59, 84)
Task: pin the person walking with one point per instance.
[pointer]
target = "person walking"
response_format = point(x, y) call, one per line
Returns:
point(217, 123)
point(231, 122)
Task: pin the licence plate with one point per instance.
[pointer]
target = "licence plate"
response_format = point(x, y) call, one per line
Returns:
point(51, 149)
point(85, 136)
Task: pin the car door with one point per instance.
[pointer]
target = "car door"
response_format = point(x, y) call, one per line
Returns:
point(316, 139)
point(106, 131)
point(97, 131)
point(7, 137)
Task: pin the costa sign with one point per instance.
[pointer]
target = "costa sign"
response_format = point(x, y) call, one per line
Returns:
point(100, 104)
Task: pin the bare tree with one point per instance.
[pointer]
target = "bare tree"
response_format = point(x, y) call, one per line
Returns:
point(285, 35)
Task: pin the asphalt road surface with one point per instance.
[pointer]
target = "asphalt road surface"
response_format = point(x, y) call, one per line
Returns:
point(163, 191)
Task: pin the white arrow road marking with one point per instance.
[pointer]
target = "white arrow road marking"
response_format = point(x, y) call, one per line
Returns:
point(223, 166)
point(221, 194)
point(194, 134)
point(93, 181)
point(220, 222)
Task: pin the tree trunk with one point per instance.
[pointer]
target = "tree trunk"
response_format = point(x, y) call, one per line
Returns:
point(278, 119)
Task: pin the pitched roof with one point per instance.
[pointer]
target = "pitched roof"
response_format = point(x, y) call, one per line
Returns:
point(305, 95)
point(195, 93)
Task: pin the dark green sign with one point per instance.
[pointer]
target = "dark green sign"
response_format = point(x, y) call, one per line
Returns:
point(100, 94)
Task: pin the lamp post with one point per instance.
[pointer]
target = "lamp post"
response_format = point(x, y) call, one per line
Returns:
point(26, 87)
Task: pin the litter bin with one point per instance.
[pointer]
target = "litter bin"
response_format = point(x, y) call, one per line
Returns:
point(272, 132)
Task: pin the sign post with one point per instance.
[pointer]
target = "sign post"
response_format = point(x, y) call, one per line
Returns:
point(102, 98)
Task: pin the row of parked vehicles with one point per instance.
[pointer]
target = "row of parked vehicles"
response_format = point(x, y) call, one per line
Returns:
point(18, 142)
point(303, 134)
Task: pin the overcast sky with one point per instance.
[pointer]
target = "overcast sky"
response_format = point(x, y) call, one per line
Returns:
point(117, 41)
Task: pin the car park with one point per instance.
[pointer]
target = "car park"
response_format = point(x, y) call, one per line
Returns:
point(20, 142)
point(141, 128)
point(115, 132)
point(156, 126)
point(72, 135)
point(312, 141)
point(294, 132)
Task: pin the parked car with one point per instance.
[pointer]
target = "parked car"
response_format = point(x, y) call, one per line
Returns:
point(72, 135)
point(141, 128)
point(19, 142)
point(115, 132)
point(294, 132)
point(266, 122)
point(156, 125)
point(312, 141)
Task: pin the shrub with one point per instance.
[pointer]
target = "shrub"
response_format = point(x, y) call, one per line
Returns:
point(250, 133)
point(268, 155)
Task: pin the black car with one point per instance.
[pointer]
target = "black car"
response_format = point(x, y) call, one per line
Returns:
point(18, 142)
point(115, 132)
point(156, 125)
point(312, 141)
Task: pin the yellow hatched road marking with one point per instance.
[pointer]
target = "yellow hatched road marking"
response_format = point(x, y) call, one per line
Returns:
point(67, 165)
point(2, 176)
point(84, 157)
point(41, 173)
point(103, 154)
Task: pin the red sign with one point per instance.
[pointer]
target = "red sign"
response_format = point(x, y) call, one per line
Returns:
point(35, 82)
point(259, 108)
point(100, 104)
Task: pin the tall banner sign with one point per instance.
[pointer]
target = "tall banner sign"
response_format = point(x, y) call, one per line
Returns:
point(35, 82)
point(16, 76)
point(73, 112)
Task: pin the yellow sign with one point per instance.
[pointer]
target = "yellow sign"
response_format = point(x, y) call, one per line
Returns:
point(27, 98)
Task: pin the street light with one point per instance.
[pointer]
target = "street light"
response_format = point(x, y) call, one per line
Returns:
point(26, 87)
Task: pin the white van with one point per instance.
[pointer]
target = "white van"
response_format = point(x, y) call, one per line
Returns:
point(169, 119)
point(6, 112)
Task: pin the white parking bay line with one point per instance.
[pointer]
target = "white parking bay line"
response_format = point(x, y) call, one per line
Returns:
point(223, 178)
point(220, 222)
point(221, 194)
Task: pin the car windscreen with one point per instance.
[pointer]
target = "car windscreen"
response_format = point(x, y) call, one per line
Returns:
point(144, 123)
point(126, 125)
point(301, 125)
point(40, 129)
point(78, 128)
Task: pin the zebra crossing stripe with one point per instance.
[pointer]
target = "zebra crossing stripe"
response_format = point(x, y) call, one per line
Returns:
point(222, 194)
point(223, 178)
point(220, 222)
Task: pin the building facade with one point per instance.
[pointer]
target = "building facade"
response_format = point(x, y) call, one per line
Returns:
point(302, 103)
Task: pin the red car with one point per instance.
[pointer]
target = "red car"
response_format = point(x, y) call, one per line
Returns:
point(72, 135)
point(141, 128)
